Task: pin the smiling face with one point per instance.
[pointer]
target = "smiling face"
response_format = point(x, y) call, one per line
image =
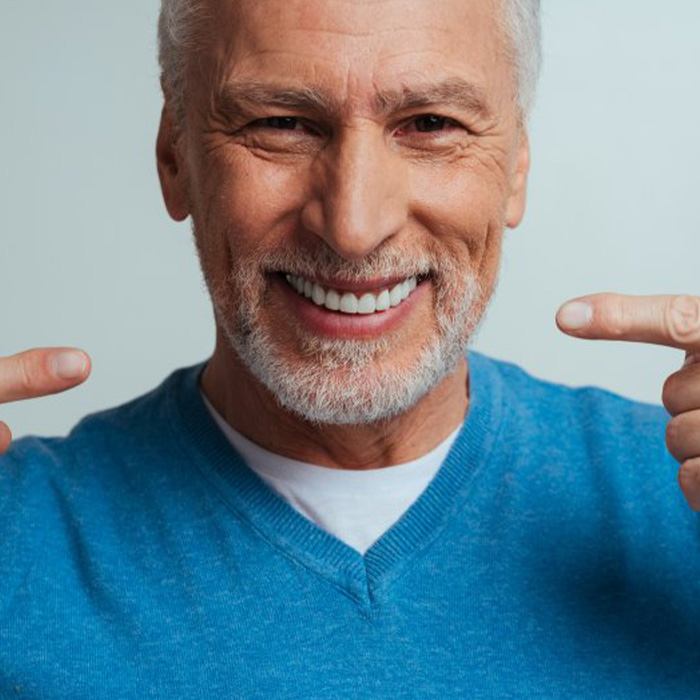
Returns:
point(349, 169)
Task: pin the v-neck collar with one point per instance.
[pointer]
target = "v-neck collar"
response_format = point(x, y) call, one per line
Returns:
point(280, 525)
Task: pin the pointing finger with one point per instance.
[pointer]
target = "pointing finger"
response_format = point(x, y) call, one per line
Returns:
point(41, 372)
point(663, 320)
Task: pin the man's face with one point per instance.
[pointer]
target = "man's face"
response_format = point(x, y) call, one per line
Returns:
point(371, 149)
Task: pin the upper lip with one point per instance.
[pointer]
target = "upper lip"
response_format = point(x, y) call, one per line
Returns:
point(376, 284)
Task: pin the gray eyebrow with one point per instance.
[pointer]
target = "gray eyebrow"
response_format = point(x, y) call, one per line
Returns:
point(234, 97)
point(453, 91)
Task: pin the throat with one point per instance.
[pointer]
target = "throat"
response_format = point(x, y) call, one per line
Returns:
point(251, 410)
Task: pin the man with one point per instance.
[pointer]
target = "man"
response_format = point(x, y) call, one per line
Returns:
point(339, 503)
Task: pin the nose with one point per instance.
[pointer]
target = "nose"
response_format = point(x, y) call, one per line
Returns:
point(359, 199)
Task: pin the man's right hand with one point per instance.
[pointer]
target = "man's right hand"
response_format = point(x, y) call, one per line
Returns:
point(39, 372)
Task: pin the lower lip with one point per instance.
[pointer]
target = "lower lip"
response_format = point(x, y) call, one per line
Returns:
point(335, 324)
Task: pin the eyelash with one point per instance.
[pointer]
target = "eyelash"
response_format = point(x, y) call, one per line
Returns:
point(297, 121)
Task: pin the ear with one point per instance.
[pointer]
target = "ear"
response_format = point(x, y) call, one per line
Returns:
point(515, 207)
point(171, 167)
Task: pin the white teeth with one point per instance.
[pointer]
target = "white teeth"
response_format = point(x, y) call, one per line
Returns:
point(383, 301)
point(367, 304)
point(348, 303)
point(332, 300)
point(318, 295)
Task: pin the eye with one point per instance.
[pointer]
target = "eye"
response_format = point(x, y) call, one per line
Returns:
point(283, 123)
point(282, 134)
point(429, 123)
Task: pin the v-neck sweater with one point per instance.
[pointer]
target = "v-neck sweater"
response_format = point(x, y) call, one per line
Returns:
point(355, 505)
point(552, 555)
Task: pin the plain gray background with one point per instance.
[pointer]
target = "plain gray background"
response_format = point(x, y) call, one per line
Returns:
point(90, 258)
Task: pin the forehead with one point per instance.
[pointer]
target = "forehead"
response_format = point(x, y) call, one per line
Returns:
point(355, 48)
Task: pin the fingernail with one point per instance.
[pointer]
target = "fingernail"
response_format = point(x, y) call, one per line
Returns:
point(575, 315)
point(69, 365)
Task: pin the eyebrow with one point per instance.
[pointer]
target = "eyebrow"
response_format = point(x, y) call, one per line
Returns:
point(457, 92)
point(239, 96)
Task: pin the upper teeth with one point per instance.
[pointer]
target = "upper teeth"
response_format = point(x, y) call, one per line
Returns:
point(348, 302)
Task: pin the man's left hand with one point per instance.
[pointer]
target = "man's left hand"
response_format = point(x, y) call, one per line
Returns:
point(664, 320)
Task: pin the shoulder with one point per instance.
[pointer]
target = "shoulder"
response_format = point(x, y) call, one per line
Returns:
point(46, 481)
point(98, 437)
point(588, 415)
point(587, 450)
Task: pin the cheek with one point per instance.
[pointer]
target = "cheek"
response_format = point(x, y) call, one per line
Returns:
point(245, 201)
point(461, 207)
point(244, 209)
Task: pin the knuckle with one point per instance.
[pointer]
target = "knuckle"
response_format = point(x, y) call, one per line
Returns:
point(689, 481)
point(682, 318)
point(681, 390)
point(669, 393)
point(610, 316)
point(30, 374)
point(674, 433)
point(25, 375)
point(5, 437)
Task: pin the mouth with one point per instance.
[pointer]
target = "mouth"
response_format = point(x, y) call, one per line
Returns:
point(364, 298)
point(353, 310)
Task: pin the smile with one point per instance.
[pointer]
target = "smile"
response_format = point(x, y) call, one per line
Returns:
point(349, 303)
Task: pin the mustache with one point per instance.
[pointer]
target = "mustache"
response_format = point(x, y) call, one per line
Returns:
point(326, 263)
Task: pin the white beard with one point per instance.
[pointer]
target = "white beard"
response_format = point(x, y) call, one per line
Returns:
point(348, 382)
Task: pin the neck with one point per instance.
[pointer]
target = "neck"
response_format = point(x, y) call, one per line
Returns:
point(252, 410)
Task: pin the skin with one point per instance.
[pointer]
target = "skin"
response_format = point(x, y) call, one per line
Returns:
point(370, 181)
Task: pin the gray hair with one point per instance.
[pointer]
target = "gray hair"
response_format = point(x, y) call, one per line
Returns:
point(522, 24)
point(180, 21)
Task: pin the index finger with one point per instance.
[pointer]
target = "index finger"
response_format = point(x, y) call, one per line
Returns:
point(40, 372)
point(672, 320)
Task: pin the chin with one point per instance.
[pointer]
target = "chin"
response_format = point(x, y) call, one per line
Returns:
point(344, 382)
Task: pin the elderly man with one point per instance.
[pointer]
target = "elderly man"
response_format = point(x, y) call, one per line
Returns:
point(342, 502)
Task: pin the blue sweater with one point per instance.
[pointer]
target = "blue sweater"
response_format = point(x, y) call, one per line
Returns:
point(553, 556)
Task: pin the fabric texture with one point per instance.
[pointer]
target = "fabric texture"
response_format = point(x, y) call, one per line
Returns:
point(357, 506)
point(552, 556)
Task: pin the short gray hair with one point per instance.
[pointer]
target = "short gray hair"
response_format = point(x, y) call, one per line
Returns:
point(523, 28)
point(180, 21)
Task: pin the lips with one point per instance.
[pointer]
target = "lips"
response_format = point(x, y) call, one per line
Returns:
point(365, 322)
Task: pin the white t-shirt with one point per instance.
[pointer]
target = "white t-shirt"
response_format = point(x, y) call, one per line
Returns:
point(357, 506)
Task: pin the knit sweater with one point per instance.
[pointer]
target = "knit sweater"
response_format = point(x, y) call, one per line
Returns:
point(552, 556)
